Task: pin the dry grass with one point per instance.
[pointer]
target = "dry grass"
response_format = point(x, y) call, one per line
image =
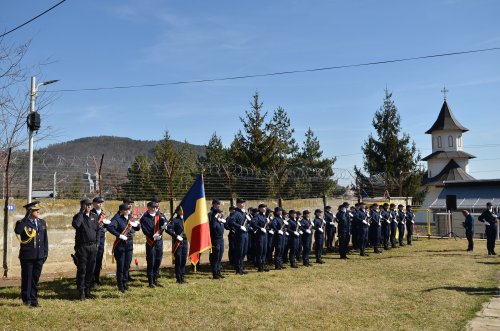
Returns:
point(434, 285)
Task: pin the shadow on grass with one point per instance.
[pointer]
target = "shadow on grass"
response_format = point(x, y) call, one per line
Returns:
point(467, 290)
point(489, 262)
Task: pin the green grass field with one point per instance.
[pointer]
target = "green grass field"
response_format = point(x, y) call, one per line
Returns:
point(433, 285)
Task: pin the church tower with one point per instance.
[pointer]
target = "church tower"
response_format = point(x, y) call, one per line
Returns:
point(447, 161)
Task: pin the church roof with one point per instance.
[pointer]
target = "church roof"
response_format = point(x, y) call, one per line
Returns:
point(446, 121)
point(452, 171)
point(449, 155)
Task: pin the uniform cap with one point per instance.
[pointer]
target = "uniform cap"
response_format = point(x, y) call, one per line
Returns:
point(152, 204)
point(35, 205)
point(277, 209)
point(262, 205)
point(240, 200)
point(317, 211)
point(124, 206)
point(306, 212)
point(98, 200)
point(128, 200)
point(153, 199)
point(85, 202)
point(215, 202)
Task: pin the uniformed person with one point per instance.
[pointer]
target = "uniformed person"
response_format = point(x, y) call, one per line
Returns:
point(216, 222)
point(319, 225)
point(180, 248)
point(375, 228)
point(410, 223)
point(132, 216)
point(152, 223)
point(34, 249)
point(86, 224)
point(355, 231)
point(343, 230)
point(230, 236)
point(240, 223)
point(469, 229)
point(385, 225)
point(121, 226)
point(401, 217)
point(259, 224)
point(270, 236)
point(101, 238)
point(278, 226)
point(306, 238)
point(361, 221)
point(284, 256)
point(490, 220)
point(330, 228)
point(293, 238)
point(393, 216)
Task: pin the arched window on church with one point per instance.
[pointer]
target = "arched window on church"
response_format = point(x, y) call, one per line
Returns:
point(450, 141)
point(439, 142)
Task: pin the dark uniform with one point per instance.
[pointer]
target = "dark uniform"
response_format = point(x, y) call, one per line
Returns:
point(86, 236)
point(319, 225)
point(306, 238)
point(375, 230)
point(259, 224)
point(284, 255)
point(152, 225)
point(293, 239)
point(385, 226)
point(176, 230)
point(469, 231)
point(240, 222)
point(270, 238)
point(123, 247)
point(401, 217)
point(101, 239)
point(278, 226)
point(216, 223)
point(410, 222)
point(394, 225)
point(360, 219)
point(230, 237)
point(354, 228)
point(33, 252)
point(343, 231)
point(330, 229)
point(490, 219)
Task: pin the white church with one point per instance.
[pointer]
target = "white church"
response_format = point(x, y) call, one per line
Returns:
point(448, 169)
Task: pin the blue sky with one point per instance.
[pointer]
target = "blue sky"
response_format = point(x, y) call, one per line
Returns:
point(110, 43)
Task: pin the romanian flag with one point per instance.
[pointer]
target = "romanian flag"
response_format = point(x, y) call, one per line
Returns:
point(196, 225)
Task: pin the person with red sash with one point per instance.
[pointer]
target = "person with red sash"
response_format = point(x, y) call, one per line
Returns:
point(180, 249)
point(123, 247)
point(152, 224)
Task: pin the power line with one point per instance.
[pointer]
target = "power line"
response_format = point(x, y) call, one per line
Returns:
point(208, 80)
point(31, 20)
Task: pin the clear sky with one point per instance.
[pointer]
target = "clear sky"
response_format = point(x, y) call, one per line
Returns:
point(131, 42)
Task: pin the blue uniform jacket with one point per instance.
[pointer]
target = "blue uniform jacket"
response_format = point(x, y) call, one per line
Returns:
point(375, 218)
point(329, 220)
point(238, 220)
point(176, 228)
point(258, 223)
point(304, 225)
point(318, 224)
point(118, 224)
point(359, 217)
point(343, 222)
point(409, 216)
point(384, 215)
point(401, 216)
point(488, 216)
point(148, 224)
point(293, 226)
point(216, 227)
point(38, 248)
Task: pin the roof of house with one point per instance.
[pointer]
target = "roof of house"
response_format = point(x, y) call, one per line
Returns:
point(470, 194)
point(446, 121)
point(449, 155)
point(452, 171)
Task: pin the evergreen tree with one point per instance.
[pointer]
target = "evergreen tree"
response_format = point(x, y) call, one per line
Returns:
point(393, 155)
point(215, 151)
point(139, 175)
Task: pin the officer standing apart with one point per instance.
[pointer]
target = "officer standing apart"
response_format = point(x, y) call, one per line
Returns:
point(121, 227)
point(319, 225)
point(152, 223)
point(32, 234)
point(180, 248)
point(410, 223)
point(86, 236)
point(490, 219)
point(469, 229)
point(101, 237)
point(216, 222)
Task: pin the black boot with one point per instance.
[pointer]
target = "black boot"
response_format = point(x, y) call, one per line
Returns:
point(151, 282)
point(121, 288)
point(221, 275)
point(82, 295)
point(183, 279)
point(155, 281)
point(215, 275)
point(87, 293)
point(125, 286)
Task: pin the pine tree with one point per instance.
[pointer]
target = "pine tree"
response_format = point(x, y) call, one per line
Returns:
point(139, 185)
point(391, 154)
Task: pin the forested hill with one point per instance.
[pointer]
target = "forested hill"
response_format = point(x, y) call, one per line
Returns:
point(111, 147)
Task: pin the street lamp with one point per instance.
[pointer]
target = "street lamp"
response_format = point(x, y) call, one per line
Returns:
point(33, 122)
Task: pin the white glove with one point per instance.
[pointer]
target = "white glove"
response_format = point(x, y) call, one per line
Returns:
point(134, 224)
point(412, 221)
point(280, 232)
point(221, 220)
point(106, 221)
point(351, 215)
point(286, 234)
point(320, 230)
point(180, 238)
point(271, 231)
point(263, 230)
point(285, 222)
point(388, 221)
point(308, 231)
point(122, 237)
point(243, 228)
point(157, 236)
point(296, 233)
point(243, 210)
point(300, 232)
point(365, 222)
point(486, 223)
point(249, 218)
point(164, 226)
